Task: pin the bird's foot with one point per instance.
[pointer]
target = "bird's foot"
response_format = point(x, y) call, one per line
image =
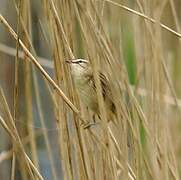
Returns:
point(89, 124)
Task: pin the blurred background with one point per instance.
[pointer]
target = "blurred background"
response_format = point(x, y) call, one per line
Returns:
point(7, 79)
point(144, 48)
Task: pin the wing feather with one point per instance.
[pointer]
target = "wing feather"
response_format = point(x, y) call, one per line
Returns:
point(106, 91)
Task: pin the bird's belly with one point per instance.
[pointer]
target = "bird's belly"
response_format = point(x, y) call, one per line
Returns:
point(89, 97)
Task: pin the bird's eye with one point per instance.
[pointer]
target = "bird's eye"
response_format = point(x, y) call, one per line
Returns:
point(80, 61)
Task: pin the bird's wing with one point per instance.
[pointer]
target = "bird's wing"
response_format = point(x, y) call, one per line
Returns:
point(103, 81)
point(106, 91)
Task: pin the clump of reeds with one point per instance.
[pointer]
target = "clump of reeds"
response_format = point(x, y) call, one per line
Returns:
point(126, 45)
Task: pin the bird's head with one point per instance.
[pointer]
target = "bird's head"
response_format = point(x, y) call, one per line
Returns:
point(78, 66)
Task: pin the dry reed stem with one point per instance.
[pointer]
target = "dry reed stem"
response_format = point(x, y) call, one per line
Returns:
point(12, 131)
point(16, 91)
point(46, 63)
point(86, 147)
point(12, 52)
point(37, 64)
point(5, 155)
point(145, 17)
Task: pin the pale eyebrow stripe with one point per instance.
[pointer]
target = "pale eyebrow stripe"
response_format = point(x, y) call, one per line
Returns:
point(48, 64)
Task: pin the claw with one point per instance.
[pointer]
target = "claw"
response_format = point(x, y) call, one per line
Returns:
point(88, 125)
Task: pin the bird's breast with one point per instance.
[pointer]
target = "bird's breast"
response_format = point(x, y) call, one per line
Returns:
point(87, 93)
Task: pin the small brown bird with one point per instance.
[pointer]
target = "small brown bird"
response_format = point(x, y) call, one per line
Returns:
point(84, 82)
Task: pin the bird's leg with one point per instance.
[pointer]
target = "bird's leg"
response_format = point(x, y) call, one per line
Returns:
point(89, 124)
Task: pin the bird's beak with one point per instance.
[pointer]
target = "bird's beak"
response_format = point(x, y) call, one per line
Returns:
point(68, 61)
